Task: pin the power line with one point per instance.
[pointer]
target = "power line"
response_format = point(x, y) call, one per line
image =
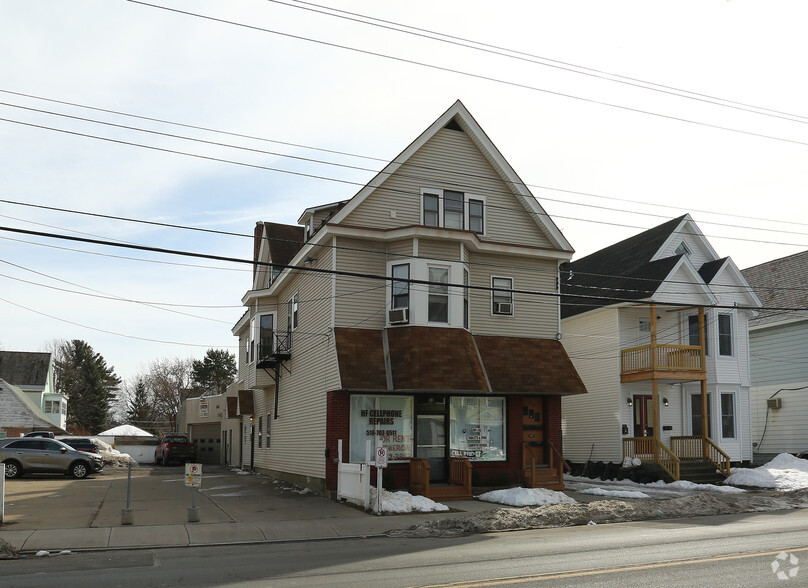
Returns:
point(364, 275)
point(383, 160)
point(470, 74)
point(538, 60)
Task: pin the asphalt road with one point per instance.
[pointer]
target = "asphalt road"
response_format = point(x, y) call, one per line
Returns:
point(729, 550)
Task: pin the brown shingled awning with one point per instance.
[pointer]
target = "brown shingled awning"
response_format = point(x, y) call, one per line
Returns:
point(245, 402)
point(435, 359)
point(518, 365)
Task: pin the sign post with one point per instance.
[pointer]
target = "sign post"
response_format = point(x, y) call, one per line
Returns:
point(2, 491)
point(193, 479)
point(381, 463)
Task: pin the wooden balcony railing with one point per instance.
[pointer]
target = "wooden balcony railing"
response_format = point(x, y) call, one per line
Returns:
point(651, 449)
point(694, 447)
point(672, 358)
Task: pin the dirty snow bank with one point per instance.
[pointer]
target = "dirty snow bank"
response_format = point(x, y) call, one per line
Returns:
point(602, 511)
point(526, 497)
point(784, 472)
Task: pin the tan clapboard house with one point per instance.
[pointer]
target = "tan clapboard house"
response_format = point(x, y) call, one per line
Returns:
point(421, 315)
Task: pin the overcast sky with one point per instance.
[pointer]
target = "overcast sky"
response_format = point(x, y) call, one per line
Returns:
point(605, 158)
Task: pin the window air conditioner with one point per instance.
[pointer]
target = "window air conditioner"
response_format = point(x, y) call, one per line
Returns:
point(503, 308)
point(774, 403)
point(398, 316)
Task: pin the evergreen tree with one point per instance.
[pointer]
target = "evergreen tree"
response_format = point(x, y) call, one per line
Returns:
point(215, 372)
point(140, 406)
point(90, 385)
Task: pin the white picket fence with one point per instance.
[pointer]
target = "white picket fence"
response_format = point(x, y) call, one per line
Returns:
point(353, 479)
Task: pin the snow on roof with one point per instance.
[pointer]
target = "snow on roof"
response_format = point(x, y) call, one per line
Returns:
point(126, 431)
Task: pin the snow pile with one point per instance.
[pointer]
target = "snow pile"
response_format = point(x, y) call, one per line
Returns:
point(526, 497)
point(112, 456)
point(693, 487)
point(784, 472)
point(615, 493)
point(403, 502)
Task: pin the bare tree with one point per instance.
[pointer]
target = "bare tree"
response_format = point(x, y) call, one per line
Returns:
point(171, 383)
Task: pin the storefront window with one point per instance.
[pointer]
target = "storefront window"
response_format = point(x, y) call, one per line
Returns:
point(385, 419)
point(477, 428)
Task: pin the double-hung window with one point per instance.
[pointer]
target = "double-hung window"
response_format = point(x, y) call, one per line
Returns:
point(438, 304)
point(693, 332)
point(725, 334)
point(266, 335)
point(400, 297)
point(453, 210)
point(502, 295)
point(727, 415)
point(291, 319)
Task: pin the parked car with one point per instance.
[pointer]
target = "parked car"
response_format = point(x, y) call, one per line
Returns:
point(80, 443)
point(803, 455)
point(38, 455)
point(174, 447)
point(48, 434)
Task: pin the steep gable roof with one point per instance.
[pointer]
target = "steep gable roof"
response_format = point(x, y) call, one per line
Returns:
point(24, 368)
point(632, 269)
point(457, 116)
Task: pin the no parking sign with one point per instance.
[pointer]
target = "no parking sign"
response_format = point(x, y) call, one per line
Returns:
point(193, 475)
point(381, 456)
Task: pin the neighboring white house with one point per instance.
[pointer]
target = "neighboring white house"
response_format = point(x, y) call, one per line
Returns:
point(779, 345)
point(19, 415)
point(631, 325)
point(32, 372)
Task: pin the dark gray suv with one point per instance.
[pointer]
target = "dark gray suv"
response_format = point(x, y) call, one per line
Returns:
point(40, 455)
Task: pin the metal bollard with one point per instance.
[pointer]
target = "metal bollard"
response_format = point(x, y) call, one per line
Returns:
point(128, 514)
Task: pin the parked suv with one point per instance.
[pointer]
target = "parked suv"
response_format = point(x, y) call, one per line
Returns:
point(80, 443)
point(48, 434)
point(34, 454)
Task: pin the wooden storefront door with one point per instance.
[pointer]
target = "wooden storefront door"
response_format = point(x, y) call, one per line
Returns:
point(533, 433)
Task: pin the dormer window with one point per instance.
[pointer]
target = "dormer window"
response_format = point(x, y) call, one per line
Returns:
point(453, 210)
point(683, 249)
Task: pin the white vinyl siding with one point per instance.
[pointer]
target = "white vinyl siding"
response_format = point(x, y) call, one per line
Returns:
point(449, 160)
point(592, 422)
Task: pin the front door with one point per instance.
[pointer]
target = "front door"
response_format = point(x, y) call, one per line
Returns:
point(643, 415)
point(431, 436)
point(533, 430)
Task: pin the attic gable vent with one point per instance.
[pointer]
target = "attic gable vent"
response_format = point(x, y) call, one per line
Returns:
point(683, 249)
point(453, 126)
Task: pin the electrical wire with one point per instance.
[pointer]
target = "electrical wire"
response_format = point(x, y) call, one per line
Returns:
point(469, 74)
point(382, 160)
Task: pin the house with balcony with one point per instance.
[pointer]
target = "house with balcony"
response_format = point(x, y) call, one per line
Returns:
point(421, 315)
point(657, 326)
point(778, 340)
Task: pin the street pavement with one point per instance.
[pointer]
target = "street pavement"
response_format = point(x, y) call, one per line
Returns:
point(54, 513)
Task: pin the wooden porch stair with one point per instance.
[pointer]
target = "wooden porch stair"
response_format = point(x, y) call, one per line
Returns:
point(458, 488)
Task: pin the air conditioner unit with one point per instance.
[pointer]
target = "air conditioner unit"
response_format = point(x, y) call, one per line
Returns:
point(774, 403)
point(398, 316)
point(503, 308)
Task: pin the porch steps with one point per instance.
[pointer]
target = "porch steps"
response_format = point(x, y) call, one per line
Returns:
point(544, 478)
point(438, 492)
point(699, 471)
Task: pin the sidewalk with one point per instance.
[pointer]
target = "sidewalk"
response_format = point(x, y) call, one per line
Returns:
point(54, 513)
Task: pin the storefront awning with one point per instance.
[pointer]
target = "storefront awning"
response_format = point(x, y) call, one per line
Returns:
point(435, 359)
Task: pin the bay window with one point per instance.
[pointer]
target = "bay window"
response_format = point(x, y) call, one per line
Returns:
point(438, 304)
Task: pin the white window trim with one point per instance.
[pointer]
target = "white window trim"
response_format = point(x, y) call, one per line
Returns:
point(732, 340)
point(513, 302)
point(734, 394)
point(466, 197)
point(448, 294)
